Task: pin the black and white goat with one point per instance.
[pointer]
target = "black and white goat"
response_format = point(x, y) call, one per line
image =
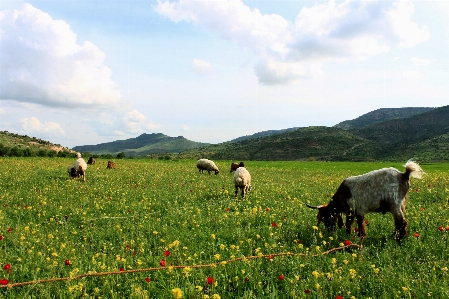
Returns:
point(383, 190)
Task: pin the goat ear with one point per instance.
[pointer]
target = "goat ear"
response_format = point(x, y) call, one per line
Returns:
point(314, 207)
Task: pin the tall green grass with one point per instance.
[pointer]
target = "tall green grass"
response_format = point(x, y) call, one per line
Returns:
point(146, 211)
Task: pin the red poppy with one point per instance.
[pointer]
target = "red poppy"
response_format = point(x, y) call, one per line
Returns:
point(4, 281)
point(246, 279)
point(147, 279)
point(447, 227)
point(356, 229)
point(7, 267)
point(228, 209)
point(306, 291)
point(162, 263)
point(366, 222)
point(416, 235)
point(128, 246)
point(135, 252)
point(281, 277)
point(122, 269)
point(9, 229)
point(274, 224)
point(166, 253)
point(267, 209)
point(441, 228)
point(1, 238)
point(270, 257)
point(210, 280)
point(67, 263)
point(339, 297)
point(347, 242)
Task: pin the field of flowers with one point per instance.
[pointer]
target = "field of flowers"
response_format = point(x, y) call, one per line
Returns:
point(161, 229)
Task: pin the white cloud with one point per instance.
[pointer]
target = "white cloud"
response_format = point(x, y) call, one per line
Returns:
point(48, 129)
point(201, 67)
point(420, 61)
point(135, 122)
point(42, 63)
point(354, 30)
point(2, 111)
point(185, 128)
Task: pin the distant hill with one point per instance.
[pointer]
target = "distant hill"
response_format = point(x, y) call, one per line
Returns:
point(263, 134)
point(423, 136)
point(385, 134)
point(12, 144)
point(381, 115)
point(142, 145)
point(311, 143)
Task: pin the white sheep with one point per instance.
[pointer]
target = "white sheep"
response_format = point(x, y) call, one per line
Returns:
point(205, 164)
point(242, 180)
point(80, 166)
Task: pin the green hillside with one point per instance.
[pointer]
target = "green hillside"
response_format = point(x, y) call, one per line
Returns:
point(12, 144)
point(312, 143)
point(423, 136)
point(142, 145)
point(381, 115)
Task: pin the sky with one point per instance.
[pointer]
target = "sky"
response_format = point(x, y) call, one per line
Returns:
point(88, 72)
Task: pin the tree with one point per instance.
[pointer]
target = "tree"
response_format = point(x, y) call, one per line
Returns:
point(121, 155)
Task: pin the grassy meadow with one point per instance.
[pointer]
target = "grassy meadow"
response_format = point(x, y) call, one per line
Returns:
point(162, 214)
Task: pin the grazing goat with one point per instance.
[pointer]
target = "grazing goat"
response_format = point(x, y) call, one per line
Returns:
point(205, 164)
point(91, 161)
point(80, 167)
point(72, 172)
point(234, 166)
point(242, 180)
point(111, 165)
point(383, 190)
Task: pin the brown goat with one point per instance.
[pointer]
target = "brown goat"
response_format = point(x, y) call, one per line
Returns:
point(91, 161)
point(111, 165)
point(234, 166)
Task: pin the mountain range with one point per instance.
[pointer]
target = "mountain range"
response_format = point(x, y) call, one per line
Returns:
point(384, 134)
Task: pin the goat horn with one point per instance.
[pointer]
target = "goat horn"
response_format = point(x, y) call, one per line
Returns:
point(314, 207)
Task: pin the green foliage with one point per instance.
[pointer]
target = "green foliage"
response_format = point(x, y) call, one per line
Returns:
point(121, 155)
point(146, 211)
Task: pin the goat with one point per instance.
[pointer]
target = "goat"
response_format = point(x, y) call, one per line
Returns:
point(383, 190)
point(242, 180)
point(91, 161)
point(205, 164)
point(111, 165)
point(80, 167)
point(234, 166)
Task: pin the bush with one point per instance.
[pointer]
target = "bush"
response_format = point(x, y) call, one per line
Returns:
point(42, 153)
point(121, 155)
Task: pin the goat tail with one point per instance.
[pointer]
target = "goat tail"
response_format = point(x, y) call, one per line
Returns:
point(412, 168)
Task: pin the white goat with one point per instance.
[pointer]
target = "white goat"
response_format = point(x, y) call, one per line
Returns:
point(80, 166)
point(383, 190)
point(242, 180)
point(205, 164)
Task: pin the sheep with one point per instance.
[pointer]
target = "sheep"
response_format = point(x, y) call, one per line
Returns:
point(80, 166)
point(234, 166)
point(205, 164)
point(242, 180)
point(111, 165)
point(91, 161)
point(383, 190)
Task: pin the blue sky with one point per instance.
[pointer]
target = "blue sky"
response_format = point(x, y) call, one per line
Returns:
point(87, 72)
